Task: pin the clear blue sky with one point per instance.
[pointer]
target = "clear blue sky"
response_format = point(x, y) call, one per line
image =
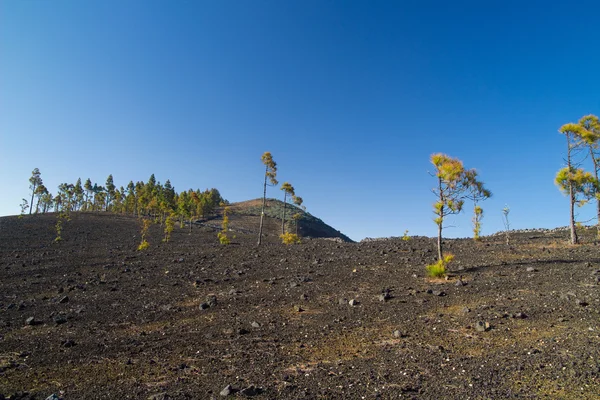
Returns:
point(350, 97)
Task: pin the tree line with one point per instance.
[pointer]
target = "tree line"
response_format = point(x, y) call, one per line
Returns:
point(149, 198)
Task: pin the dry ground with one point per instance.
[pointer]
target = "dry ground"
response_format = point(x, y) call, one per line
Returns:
point(112, 322)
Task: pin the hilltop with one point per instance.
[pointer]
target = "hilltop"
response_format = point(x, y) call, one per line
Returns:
point(245, 217)
point(92, 317)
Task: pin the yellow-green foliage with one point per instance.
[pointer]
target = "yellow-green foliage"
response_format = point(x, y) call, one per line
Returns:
point(169, 226)
point(478, 214)
point(406, 237)
point(438, 269)
point(289, 238)
point(145, 226)
point(223, 239)
point(62, 217)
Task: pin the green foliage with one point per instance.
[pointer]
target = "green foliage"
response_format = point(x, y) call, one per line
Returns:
point(439, 268)
point(289, 238)
point(405, 236)
point(506, 222)
point(63, 217)
point(144, 232)
point(24, 206)
point(169, 226)
point(223, 239)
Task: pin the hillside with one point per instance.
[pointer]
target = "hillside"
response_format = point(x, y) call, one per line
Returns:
point(91, 317)
point(245, 217)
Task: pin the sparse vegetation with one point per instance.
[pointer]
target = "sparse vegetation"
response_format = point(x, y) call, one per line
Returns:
point(223, 238)
point(144, 232)
point(506, 222)
point(271, 175)
point(439, 268)
point(406, 236)
point(289, 238)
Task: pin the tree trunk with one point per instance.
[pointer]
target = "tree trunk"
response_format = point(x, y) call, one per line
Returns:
point(262, 212)
point(439, 241)
point(31, 203)
point(572, 219)
point(283, 217)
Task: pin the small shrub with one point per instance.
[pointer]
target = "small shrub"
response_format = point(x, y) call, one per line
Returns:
point(169, 226)
point(223, 239)
point(406, 237)
point(289, 238)
point(438, 269)
point(145, 226)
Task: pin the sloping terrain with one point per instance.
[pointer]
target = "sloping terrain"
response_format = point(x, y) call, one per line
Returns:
point(245, 216)
point(91, 317)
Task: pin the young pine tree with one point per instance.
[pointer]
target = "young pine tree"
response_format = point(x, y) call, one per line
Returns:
point(34, 181)
point(476, 192)
point(270, 174)
point(288, 190)
point(451, 189)
point(571, 178)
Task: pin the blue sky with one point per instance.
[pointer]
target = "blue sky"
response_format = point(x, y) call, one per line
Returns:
point(350, 97)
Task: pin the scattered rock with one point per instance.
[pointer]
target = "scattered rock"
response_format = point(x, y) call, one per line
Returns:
point(243, 331)
point(255, 324)
point(251, 391)
point(31, 321)
point(581, 303)
point(531, 269)
point(342, 302)
point(460, 283)
point(520, 315)
point(63, 300)
point(298, 309)
point(60, 319)
point(353, 302)
point(439, 293)
point(398, 334)
point(204, 306)
point(385, 296)
point(68, 343)
point(211, 300)
point(303, 297)
point(53, 397)
point(466, 310)
point(227, 391)
point(481, 326)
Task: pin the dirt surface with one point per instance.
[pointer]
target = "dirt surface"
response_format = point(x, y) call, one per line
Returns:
point(185, 319)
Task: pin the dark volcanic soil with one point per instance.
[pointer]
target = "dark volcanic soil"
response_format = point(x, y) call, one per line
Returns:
point(110, 322)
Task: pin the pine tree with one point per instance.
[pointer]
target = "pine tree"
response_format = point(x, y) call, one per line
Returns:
point(288, 190)
point(270, 174)
point(476, 192)
point(452, 186)
point(590, 136)
point(566, 177)
point(110, 191)
point(34, 182)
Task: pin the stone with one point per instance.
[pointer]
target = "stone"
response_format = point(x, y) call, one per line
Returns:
point(60, 319)
point(385, 296)
point(398, 334)
point(342, 302)
point(53, 396)
point(204, 306)
point(459, 283)
point(466, 310)
point(520, 315)
point(255, 324)
point(251, 391)
point(353, 302)
point(68, 343)
point(31, 321)
point(211, 300)
point(227, 391)
point(439, 293)
point(63, 300)
point(481, 326)
point(298, 309)
point(303, 297)
point(581, 303)
point(531, 269)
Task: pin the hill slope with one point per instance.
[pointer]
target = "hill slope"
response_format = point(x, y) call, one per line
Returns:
point(245, 217)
